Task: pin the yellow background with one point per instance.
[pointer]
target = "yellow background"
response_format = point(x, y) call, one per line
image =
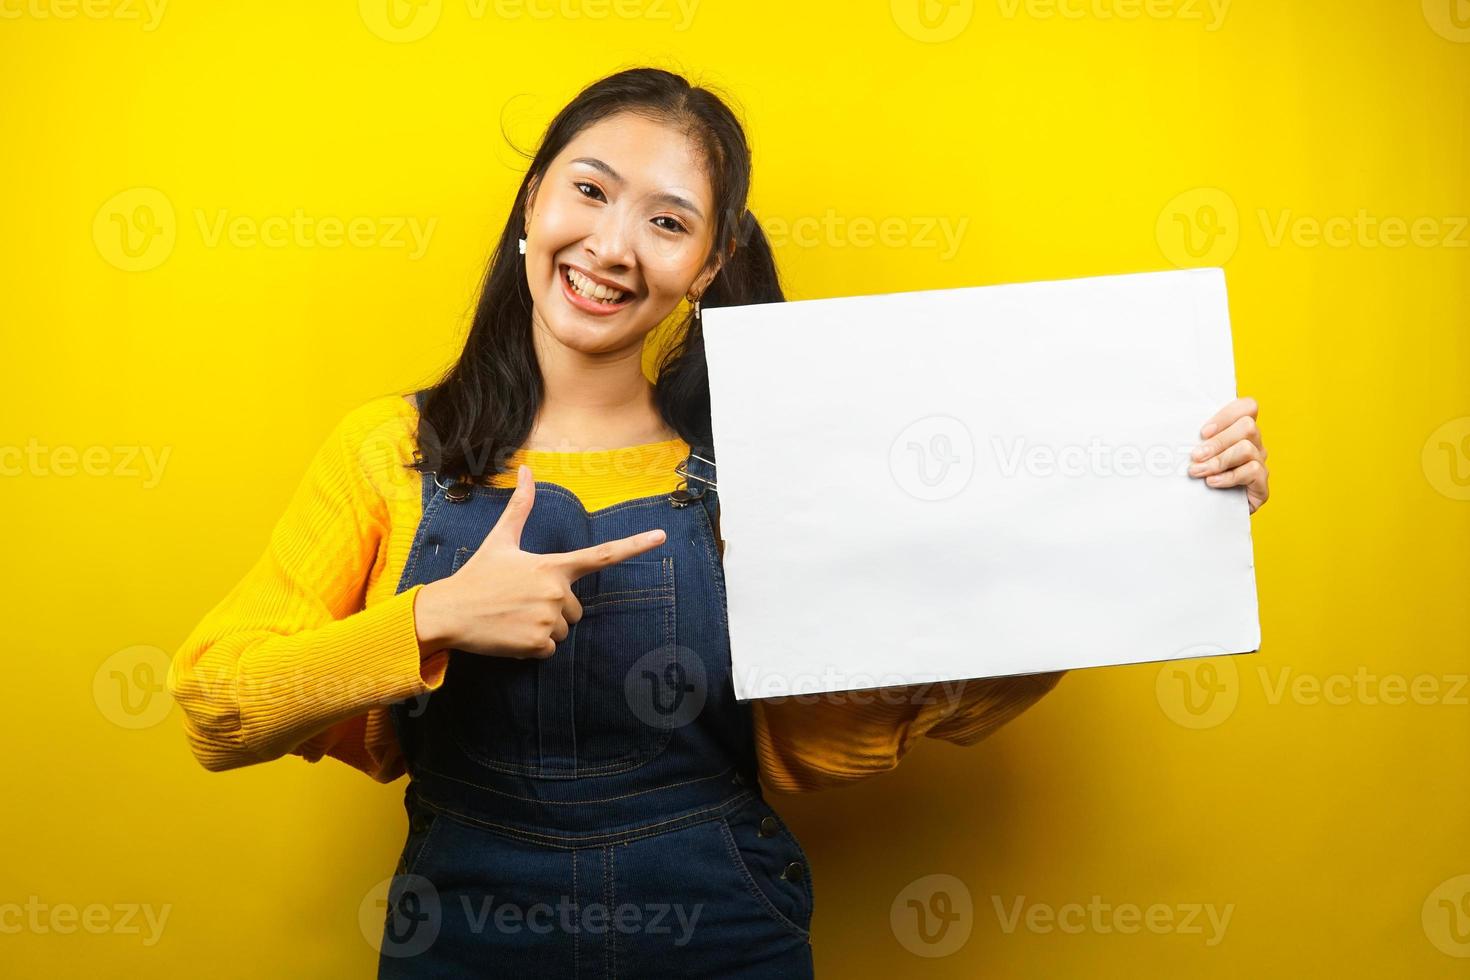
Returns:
point(1064, 141)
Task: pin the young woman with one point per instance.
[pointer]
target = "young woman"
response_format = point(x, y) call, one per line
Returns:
point(549, 662)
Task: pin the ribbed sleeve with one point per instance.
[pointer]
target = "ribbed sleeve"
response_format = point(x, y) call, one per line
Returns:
point(292, 651)
point(990, 703)
point(822, 742)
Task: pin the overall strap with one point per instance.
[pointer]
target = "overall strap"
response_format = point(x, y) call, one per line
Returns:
point(698, 470)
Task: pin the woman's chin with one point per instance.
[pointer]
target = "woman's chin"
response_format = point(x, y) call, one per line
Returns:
point(588, 335)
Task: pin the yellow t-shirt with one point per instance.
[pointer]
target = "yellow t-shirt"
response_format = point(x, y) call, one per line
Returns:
point(307, 652)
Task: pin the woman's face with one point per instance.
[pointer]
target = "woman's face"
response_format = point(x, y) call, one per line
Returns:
point(626, 206)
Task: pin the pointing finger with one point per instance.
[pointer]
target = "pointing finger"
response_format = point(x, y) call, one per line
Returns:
point(590, 559)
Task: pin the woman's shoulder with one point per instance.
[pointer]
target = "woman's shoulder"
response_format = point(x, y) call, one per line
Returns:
point(377, 417)
point(378, 437)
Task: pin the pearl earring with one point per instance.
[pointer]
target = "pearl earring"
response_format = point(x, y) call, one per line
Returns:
point(523, 246)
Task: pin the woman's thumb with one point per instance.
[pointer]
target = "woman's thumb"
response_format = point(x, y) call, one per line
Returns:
point(507, 530)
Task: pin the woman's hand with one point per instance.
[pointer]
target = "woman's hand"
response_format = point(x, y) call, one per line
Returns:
point(505, 602)
point(1232, 454)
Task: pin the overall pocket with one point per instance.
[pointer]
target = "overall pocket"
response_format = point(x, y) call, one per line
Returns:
point(764, 853)
point(593, 707)
point(422, 827)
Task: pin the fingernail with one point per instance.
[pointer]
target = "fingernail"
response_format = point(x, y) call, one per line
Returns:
point(1208, 430)
point(1199, 453)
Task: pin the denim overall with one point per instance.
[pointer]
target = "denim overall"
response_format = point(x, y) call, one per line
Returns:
point(595, 813)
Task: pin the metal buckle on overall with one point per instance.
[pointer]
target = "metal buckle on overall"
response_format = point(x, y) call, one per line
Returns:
point(457, 492)
point(682, 496)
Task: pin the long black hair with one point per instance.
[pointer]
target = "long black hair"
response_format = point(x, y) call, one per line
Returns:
point(485, 404)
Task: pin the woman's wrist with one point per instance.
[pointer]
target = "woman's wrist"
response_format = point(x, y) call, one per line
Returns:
point(433, 618)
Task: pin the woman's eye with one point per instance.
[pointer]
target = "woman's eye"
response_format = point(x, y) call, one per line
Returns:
point(591, 190)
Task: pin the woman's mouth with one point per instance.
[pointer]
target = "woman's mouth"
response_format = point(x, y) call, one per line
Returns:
point(590, 296)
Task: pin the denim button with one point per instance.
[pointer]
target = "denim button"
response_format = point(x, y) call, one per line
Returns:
point(769, 827)
point(793, 871)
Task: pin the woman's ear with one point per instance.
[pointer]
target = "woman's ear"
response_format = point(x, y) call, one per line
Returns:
point(705, 277)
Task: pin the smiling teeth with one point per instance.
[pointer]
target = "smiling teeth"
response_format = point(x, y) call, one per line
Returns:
point(593, 290)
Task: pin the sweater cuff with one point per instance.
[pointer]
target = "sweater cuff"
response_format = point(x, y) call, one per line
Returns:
point(431, 663)
point(370, 658)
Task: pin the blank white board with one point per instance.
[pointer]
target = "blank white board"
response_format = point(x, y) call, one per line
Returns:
point(963, 483)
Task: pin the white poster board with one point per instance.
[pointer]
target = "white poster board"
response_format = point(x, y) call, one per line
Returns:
point(965, 483)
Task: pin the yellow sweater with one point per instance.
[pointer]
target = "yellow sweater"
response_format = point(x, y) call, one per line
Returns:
point(304, 655)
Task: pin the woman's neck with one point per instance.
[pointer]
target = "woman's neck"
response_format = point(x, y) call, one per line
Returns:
point(593, 399)
point(573, 436)
point(596, 405)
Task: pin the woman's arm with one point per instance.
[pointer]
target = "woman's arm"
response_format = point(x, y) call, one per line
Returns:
point(844, 737)
point(989, 703)
point(290, 660)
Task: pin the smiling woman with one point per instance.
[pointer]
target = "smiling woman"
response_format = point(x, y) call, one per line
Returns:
point(549, 662)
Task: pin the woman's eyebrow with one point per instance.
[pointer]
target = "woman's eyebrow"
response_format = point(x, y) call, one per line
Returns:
point(666, 198)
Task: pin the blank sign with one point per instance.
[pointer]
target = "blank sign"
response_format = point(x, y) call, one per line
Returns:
point(976, 482)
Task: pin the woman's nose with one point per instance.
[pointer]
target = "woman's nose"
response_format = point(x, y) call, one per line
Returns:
point(611, 240)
